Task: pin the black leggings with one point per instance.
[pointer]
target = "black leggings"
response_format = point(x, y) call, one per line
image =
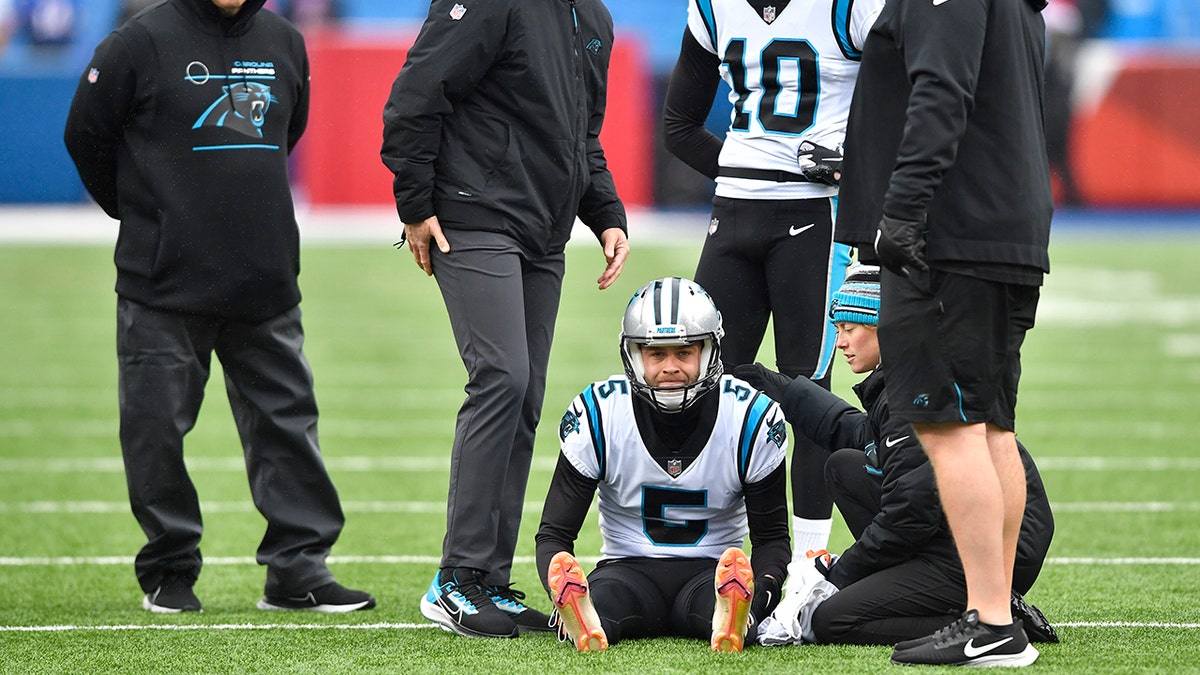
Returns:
point(651, 597)
point(910, 600)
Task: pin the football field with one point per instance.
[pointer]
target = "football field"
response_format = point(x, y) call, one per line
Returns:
point(1108, 408)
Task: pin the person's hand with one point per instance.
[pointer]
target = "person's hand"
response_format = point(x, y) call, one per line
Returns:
point(767, 591)
point(616, 249)
point(764, 379)
point(820, 164)
point(418, 235)
point(900, 245)
point(823, 560)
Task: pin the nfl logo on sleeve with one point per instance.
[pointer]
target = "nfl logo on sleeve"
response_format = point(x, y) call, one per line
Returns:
point(457, 12)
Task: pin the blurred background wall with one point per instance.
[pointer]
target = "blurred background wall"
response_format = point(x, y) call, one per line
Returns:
point(1121, 98)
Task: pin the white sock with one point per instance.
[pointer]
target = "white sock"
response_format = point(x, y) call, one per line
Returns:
point(809, 535)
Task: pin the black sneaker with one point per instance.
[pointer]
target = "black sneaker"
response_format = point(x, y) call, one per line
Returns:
point(528, 619)
point(1036, 626)
point(458, 602)
point(968, 643)
point(173, 595)
point(332, 598)
point(954, 626)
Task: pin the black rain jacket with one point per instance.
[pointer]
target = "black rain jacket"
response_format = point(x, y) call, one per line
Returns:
point(494, 121)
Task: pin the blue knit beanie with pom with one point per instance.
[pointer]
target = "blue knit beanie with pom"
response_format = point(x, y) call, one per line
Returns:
point(857, 301)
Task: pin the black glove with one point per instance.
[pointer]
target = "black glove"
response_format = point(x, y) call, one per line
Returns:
point(826, 164)
point(767, 592)
point(763, 379)
point(900, 245)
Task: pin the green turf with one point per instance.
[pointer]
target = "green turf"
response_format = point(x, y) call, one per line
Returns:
point(1107, 403)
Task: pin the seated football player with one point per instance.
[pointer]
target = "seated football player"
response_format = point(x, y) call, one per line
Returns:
point(902, 578)
point(687, 461)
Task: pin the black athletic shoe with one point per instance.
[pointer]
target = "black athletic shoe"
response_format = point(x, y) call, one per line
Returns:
point(1036, 626)
point(968, 643)
point(954, 626)
point(173, 595)
point(458, 602)
point(331, 598)
point(528, 619)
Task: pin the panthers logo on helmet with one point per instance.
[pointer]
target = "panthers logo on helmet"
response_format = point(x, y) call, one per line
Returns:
point(242, 107)
point(569, 425)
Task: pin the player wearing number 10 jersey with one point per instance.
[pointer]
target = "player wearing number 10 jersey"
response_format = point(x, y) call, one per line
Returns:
point(791, 67)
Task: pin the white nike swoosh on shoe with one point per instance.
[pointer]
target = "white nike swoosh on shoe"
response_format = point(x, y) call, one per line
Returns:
point(793, 230)
point(970, 650)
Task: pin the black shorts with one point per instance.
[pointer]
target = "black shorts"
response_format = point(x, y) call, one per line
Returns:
point(951, 346)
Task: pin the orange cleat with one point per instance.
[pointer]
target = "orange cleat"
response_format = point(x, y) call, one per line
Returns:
point(569, 592)
point(734, 584)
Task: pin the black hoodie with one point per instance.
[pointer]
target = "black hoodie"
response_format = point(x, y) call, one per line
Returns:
point(180, 128)
point(946, 127)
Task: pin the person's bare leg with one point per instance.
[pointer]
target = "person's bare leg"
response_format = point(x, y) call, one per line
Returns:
point(1007, 460)
point(973, 499)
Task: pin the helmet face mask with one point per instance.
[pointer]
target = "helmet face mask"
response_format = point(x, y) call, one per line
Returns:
point(667, 312)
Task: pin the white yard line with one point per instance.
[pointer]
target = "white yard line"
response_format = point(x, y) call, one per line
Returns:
point(422, 626)
point(441, 463)
point(221, 626)
point(245, 506)
point(434, 560)
point(87, 224)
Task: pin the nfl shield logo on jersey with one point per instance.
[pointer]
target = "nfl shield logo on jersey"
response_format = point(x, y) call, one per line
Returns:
point(769, 13)
point(457, 12)
point(674, 467)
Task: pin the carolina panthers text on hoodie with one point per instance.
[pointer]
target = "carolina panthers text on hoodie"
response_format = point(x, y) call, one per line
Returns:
point(180, 128)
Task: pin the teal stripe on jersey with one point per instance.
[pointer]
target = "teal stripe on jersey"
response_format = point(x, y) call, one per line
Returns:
point(841, 29)
point(754, 415)
point(710, 21)
point(596, 424)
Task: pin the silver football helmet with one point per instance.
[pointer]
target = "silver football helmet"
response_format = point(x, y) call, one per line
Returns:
point(672, 311)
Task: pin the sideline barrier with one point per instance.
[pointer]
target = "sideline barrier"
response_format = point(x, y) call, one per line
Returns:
point(1136, 135)
point(352, 72)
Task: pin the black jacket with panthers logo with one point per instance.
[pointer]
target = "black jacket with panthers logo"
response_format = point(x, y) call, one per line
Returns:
point(180, 128)
point(494, 121)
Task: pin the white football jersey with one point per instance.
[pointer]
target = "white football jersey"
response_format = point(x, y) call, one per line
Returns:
point(647, 510)
point(791, 75)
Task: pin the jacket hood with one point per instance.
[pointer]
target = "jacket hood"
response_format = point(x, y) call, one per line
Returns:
point(234, 25)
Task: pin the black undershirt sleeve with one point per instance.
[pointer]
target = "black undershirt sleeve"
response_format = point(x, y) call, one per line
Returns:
point(567, 503)
point(771, 547)
point(690, 94)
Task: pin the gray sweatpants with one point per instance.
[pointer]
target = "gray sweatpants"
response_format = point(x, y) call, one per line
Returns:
point(164, 361)
point(502, 306)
